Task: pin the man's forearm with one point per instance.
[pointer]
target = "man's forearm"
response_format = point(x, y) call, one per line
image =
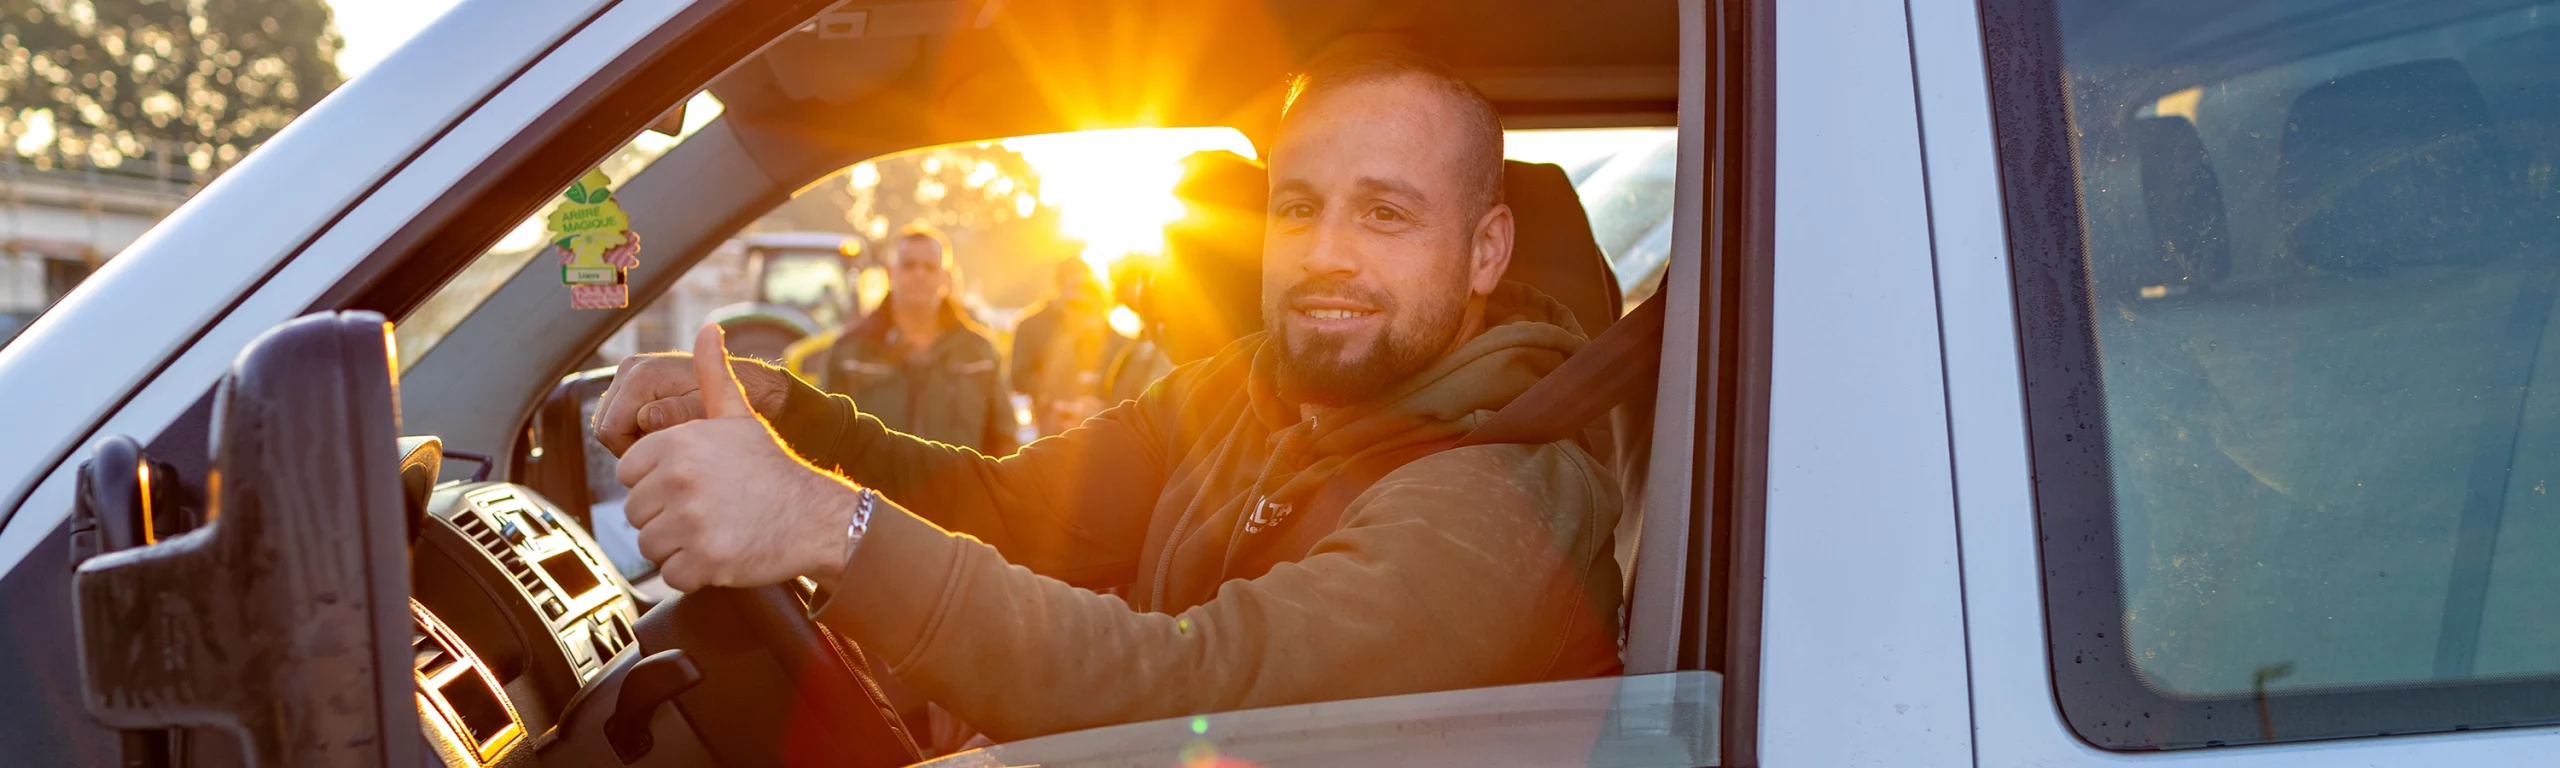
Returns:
point(1389, 606)
point(816, 426)
point(1060, 509)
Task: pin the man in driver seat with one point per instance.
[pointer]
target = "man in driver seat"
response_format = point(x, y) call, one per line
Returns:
point(1217, 501)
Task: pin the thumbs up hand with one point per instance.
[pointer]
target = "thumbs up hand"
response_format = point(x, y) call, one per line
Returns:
point(657, 391)
point(720, 502)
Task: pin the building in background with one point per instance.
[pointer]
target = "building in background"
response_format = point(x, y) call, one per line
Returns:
point(111, 116)
point(57, 226)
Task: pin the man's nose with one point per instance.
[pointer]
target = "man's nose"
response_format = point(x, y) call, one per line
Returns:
point(1331, 249)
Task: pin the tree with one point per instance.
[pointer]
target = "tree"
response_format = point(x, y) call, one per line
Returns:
point(986, 197)
point(166, 88)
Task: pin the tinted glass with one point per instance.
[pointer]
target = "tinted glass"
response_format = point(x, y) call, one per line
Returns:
point(2319, 268)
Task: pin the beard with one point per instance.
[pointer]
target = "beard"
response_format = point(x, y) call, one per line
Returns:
point(1339, 369)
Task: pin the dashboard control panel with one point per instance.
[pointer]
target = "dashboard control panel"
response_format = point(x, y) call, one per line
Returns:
point(525, 589)
point(554, 567)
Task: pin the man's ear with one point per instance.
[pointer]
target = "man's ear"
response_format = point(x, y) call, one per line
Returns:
point(1492, 250)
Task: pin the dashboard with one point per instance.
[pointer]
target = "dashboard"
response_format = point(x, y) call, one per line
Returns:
point(517, 610)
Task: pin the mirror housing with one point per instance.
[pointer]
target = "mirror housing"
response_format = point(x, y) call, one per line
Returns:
point(554, 461)
point(284, 619)
point(563, 462)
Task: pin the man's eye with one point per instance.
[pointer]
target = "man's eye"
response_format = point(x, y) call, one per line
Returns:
point(1383, 213)
point(1297, 211)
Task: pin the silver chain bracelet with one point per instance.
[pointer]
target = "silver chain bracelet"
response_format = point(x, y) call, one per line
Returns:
point(861, 522)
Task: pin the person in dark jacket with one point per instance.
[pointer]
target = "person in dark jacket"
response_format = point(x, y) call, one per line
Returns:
point(919, 363)
point(1063, 347)
point(1212, 501)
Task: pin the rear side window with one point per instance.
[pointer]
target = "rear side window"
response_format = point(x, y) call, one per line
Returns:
point(2286, 274)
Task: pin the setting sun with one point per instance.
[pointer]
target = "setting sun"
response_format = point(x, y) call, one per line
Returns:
point(1113, 189)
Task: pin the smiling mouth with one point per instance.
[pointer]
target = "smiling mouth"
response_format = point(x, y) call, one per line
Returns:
point(1335, 314)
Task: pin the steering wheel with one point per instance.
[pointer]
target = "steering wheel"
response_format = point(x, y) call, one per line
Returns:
point(777, 688)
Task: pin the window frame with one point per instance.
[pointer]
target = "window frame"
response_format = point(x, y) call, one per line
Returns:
point(2103, 698)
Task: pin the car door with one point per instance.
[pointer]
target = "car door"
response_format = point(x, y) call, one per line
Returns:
point(434, 154)
point(2245, 310)
point(1862, 638)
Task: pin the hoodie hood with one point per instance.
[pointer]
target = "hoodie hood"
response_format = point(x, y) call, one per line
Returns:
point(1527, 334)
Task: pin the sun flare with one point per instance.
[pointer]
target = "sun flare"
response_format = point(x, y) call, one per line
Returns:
point(1113, 189)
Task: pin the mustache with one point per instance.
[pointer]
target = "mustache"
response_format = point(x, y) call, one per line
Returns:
point(1336, 288)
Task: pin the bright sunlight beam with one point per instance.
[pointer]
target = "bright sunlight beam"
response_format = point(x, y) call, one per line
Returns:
point(1114, 188)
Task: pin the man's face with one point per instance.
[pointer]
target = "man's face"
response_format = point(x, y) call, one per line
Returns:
point(1372, 245)
point(916, 277)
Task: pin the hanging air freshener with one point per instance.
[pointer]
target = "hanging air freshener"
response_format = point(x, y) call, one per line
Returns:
point(596, 246)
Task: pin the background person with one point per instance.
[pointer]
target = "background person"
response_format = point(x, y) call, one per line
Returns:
point(920, 364)
point(1062, 349)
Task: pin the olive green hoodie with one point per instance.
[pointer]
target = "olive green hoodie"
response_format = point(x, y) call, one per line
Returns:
point(1475, 566)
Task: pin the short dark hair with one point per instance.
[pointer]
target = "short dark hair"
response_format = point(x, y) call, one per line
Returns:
point(1480, 129)
point(924, 231)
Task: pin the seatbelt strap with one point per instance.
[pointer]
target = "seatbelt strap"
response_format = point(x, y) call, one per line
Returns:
point(1607, 370)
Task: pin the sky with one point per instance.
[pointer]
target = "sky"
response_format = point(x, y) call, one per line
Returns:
point(373, 28)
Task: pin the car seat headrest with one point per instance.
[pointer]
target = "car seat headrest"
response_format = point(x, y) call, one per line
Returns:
point(1210, 294)
point(2391, 167)
point(2190, 245)
point(1552, 248)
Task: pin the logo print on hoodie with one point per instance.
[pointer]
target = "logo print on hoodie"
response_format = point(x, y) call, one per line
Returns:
point(1265, 515)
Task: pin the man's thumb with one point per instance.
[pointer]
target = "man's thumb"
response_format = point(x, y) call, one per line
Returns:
point(722, 396)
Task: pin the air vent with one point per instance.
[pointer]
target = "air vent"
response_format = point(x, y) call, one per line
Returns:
point(429, 657)
point(477, 529)
point(610, 635)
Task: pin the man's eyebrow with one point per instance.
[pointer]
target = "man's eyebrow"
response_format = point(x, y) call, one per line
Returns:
point(1369, 184)
point(1391, 186)
point(1297, 186)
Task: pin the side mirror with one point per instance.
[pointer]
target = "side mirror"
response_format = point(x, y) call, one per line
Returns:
point(563, 462)
point(285, 618)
